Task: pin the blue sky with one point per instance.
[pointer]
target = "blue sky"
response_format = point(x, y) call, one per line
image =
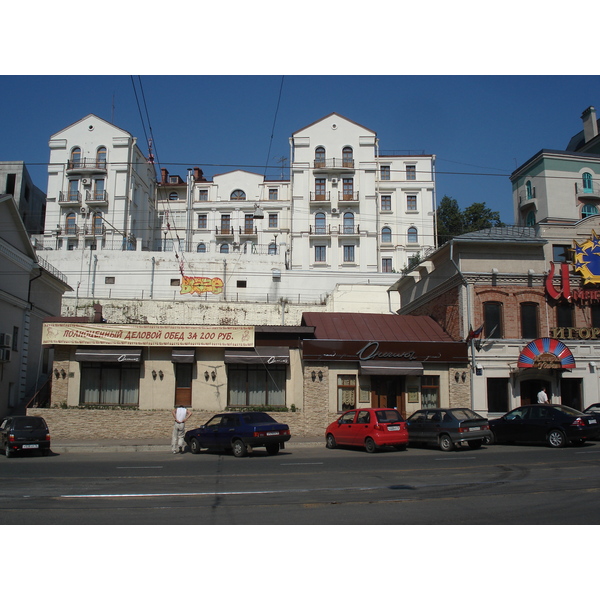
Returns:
point(479, 127)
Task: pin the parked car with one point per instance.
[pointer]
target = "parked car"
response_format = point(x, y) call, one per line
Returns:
point(20, 433)
point(372, 428)
point(592, 409)
point(447, 427)
point(555, 424)
point(239, 432)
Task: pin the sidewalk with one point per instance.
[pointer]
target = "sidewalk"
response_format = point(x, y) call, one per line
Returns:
point(63, 446)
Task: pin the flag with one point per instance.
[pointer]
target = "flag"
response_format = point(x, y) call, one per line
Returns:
point(474, 334)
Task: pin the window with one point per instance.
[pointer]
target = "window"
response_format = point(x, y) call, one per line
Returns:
point(386, 265)
point(201, 248)
point(320, 156)
point(320, 254)
point(529, 190)
point(109, 383)
point(224, 249)
point(241, 283)
point(175, 282)
point(411, 203)
point(411, 172)
point(101, 157)
point(15, 339)
point(99, 193)
point(529, 320)
point(248, 223)
point(319, 189)
point(560, 253)
point(320, 223)
point(238, 195)
point(76, 158)
point(226, 224)
point(349, 254)
point(273, 220)
point(203, 195)
point(492, 320)
point(347, 157)
point(497, 394)
point(73, 195)
point(346, 392)
point(348, 222)
point(386, 235)
point(173, 197)
point(430, 391)
point(588, 210)
point(348, 187)
point(97, 223)
point(413, 235)
point(109, 280)
point(564, 315)
point(530, 219)
point(71, 224)
point(385, 172)
point(386, 203)
point(256, 385)
point(587, 183)
point(273, 193)
point(595, 310)
point(272, 248)
point(202, 221)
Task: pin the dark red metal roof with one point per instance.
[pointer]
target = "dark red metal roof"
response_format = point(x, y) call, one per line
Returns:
point(381, 327)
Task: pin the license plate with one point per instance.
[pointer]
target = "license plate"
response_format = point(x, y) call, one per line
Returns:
point(393, 427)
point(272, 432)
point(592, 421)
point(474, 428)
point(29, 446)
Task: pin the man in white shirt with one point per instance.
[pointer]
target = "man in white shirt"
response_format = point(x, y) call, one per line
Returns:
point(181, 414)
point(542, 397)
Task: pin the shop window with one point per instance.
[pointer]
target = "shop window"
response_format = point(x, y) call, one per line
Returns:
point(529, 320)
point(595, 314)
point(256, 385)
point(497, 394)
point(564, 315)
point(346, 392)
point(492, 320)
point(430, 391)
point(560, 253)
point(109, 384)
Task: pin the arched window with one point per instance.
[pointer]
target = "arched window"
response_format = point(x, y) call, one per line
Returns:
point(71, 224)
point(413, 235)
point(97, 223)
point(224, 249)
point(76, 158)
point(201, 247)
point(273, 248)
point(529, 320)
point(530, 219)
point(173, 196)
point(530, 190)
point(101, 158)
point(588, 210)
point(348, 222)
point(320, 223)
point(319, 156)
point(492, 319)
point(238, 195)
point(347, 157)
point(386, 235)
point(587, 183)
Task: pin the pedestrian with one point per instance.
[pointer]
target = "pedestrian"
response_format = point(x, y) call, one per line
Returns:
point(542, 397)
point(181, 414)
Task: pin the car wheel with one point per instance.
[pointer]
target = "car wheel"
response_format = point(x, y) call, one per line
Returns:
point(330, 441)
point(446, 444)
point(272, 449)
point(489, 439)
point(400, 446)
point(195, 446)
point(239, 448)
point(475, 444)
point(370, 445)
point(7, 451)
point(557, 438)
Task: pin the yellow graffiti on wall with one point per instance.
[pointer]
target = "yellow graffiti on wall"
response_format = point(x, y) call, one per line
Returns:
point(201, 285)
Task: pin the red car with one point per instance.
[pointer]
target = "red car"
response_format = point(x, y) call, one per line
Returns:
point(368, 427)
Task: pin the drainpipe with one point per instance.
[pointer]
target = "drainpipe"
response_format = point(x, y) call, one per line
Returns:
point(94, 274)
point(152, 278)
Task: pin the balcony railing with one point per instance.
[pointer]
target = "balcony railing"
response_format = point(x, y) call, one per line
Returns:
point(320, 197)
point(94, 231)
point(347, 197)
point(248, 231)
point(86, 164)
point(224, 231)
point(69, 198)
point(334, 163)
point(592, 191)
point(96, 197)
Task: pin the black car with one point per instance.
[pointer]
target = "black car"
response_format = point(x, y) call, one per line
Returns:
point(554, 424)
point(21, 433)
point(239, 432)
point(592, 409)
point(447, 428)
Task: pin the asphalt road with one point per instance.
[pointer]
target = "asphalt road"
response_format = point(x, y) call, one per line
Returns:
point(493, 485)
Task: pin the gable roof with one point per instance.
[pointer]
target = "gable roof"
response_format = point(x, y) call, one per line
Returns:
point(339, 116)
point(87, 117)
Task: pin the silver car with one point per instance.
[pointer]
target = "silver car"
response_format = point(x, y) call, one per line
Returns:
point(447, 428)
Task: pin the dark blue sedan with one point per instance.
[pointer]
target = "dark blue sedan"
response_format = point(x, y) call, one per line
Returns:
point(239, 432)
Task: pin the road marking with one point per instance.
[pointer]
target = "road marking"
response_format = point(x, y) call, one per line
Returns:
point(294, 464)
point(458, 458)
point(157, 467)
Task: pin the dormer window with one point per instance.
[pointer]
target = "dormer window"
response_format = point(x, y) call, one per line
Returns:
point(238, 195)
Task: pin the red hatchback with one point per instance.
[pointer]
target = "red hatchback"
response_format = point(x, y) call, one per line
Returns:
point(368, 427)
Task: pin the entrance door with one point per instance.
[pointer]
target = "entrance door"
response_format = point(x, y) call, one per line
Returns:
point(183, 384)
point(570, 393)
point(386, 392)
point(530, 389)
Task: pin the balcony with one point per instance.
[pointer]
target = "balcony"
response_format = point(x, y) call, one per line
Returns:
point(86, 165)
point(319, 230)
point(591, 192)
point(320, 198)
point(248, 232)
point(96, 198)
point(69, 231)
point(349, 230)
point(69, 198)
point(94, 231)
point(334, 164)
point(224, 232)
point(345, 198)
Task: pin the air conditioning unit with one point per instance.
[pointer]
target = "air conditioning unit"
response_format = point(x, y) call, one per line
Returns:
point(85, 181)
point(4, 354)
point(334, 180)
point(334, 211)
point(5, 340)
point(84, 210)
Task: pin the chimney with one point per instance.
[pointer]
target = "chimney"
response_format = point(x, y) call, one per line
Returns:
point(165, 175)
point(590, 124)
point(198, 174)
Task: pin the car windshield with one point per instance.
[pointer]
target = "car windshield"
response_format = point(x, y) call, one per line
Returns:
point(253, 418)
point(465, 414)
point(388, 416)
point(29, 423)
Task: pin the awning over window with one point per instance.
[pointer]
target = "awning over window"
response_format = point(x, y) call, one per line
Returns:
point(183, 355)
point(99, 354)
point(266, 355)
point(391, 367)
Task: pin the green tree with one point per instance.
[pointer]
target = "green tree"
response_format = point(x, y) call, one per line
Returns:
point(452, 221)
point(478, 216)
